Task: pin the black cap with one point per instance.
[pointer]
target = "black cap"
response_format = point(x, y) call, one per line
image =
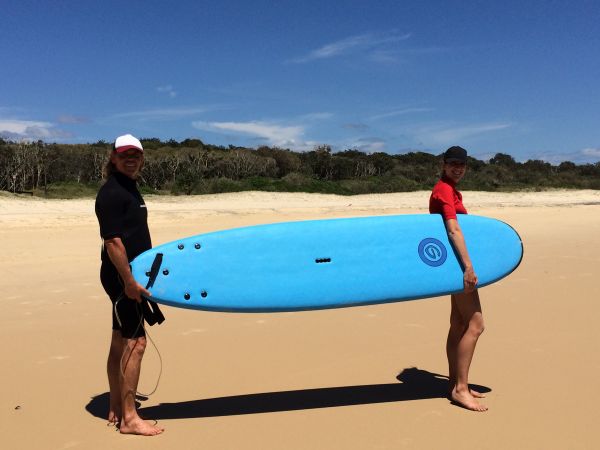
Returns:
point(455, 153)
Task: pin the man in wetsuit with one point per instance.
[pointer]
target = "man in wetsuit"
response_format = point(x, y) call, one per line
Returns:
point(122, 217)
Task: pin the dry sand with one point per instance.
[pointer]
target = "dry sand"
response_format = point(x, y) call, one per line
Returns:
point(357, 378)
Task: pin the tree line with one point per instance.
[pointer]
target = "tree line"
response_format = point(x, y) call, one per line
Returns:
point(192, 167)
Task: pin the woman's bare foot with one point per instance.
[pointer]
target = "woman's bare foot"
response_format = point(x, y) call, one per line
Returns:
point(139, 426)
point(473, 392)
point(476, 394)
point(467, 400)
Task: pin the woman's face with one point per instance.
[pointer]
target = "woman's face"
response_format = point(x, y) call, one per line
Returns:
point(454, 170)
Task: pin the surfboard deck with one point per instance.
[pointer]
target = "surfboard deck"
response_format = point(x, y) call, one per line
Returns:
point(320, 264)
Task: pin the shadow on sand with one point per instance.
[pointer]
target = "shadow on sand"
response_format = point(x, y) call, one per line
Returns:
point(415, 384)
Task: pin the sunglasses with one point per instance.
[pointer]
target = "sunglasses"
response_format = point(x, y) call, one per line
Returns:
point(456, 163)
point(132, 155)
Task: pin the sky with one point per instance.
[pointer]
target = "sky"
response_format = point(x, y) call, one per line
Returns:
point(516, 77)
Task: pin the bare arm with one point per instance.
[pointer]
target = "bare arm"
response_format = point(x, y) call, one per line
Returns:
point(457, 239)
point(118, 256)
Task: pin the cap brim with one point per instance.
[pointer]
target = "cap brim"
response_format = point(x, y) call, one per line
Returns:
point(128, 147)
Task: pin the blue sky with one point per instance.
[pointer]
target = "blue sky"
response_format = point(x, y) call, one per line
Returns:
point(517, 77)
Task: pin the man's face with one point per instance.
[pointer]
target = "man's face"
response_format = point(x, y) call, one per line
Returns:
point(129, 162)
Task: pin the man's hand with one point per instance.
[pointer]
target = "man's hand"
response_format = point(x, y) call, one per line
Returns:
point(118, 256)
point(135, 291)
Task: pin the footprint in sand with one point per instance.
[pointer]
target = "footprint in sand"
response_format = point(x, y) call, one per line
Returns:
point(54, 358)
point(192, 331)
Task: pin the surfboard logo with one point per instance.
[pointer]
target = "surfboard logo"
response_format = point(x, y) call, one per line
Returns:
point(432, 252)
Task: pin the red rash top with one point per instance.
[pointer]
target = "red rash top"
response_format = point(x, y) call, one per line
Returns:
point(446, 200)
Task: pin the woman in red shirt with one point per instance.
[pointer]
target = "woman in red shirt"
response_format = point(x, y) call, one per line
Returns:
point(466, 319)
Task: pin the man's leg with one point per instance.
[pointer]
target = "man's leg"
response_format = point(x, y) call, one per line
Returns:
point(113, 369)
point(131, 363)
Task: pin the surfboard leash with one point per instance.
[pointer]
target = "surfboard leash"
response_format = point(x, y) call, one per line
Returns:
point(140, 324)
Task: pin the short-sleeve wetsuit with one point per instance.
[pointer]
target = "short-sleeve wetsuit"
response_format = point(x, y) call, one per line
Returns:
point(446, 200)
point(122, 213)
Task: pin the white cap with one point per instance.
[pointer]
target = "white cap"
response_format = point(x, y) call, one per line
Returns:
point(127, 141)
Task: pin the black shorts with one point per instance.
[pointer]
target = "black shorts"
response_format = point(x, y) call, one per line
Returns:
point(127, 316)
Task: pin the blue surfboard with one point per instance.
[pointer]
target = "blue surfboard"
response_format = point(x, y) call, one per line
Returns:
point(324, 263)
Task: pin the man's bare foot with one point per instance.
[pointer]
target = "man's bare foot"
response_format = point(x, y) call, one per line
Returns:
point(138, 426)
point(466, 400)
point(113, 418)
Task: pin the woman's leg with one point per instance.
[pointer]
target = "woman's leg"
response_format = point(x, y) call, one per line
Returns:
point(466, 315)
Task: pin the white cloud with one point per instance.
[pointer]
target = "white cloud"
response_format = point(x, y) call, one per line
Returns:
point(362, 42)
point(274, 134)
point(160, 113)
point(445, 134)
point(584, 156)
point(168, 89)
point(591, 152)
point(399, 112)
point(29, 130)
point(355, 126)
point(70, 119)
point(370, 145)
point(317, 116)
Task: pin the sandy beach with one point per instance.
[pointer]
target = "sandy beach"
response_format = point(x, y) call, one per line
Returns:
point(359, 378)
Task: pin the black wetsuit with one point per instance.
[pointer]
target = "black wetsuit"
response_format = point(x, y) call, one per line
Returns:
point(122, 213)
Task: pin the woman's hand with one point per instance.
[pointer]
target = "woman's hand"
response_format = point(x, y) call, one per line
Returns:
point(469, 280)
point(458, 242)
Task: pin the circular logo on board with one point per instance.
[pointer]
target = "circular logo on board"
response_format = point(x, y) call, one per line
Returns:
point(432, 252)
